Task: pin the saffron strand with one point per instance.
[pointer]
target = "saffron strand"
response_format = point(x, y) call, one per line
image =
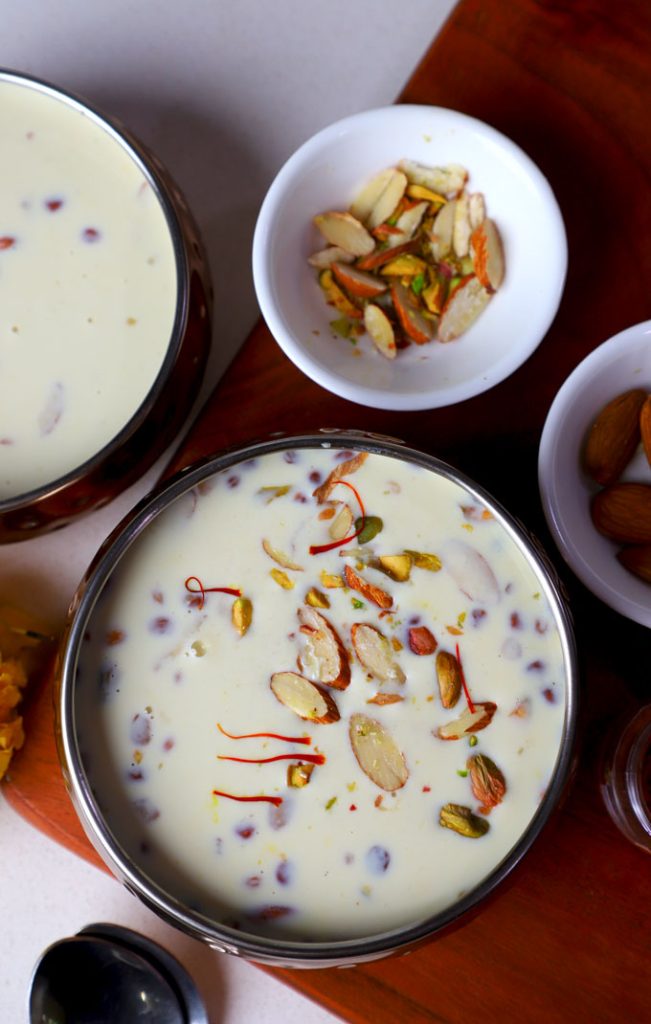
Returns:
point(307, 740)
point(466, 691)
point(275, 800)
point(209, 590)
point(309, 758)
point(319, 549)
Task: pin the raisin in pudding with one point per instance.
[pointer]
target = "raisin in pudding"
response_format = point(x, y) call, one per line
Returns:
point(88, 285)
point(323, 694)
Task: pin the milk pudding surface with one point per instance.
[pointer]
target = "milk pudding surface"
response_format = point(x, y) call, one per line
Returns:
point(321, 696)
point(88, 287)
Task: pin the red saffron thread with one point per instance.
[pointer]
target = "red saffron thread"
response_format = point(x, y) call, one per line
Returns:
point(471, 706)
point(275, 800)
point(209, 590)
point(311, 758)
point(319, 549)
point(307, 740)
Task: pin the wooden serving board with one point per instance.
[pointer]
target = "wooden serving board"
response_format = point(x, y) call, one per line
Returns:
point(568, 939)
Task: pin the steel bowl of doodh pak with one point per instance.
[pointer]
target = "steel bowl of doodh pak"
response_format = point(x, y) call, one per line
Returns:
point(105, 300)
point(317, 699)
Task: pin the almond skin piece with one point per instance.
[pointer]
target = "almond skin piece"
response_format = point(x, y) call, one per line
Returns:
point(645, 428)
point(623, 513)
point(486, 780)
point(324, 656)
point(448, 676)
point(421, 640)
point(304, 698)
point(377, 753)
point(614, 436)
point(637, 560)
point(368, 590)
point(322, 493)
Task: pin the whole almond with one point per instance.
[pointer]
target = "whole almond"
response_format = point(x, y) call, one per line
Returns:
point(623, 513)
point(637, 560)
point(613, 437)
point(645, 427)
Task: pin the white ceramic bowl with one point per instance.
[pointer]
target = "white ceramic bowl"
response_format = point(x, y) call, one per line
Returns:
point(622, 362)
point(326, 173)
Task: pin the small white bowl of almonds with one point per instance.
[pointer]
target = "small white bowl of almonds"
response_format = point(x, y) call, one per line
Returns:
point(595, 472)
point(396, 257)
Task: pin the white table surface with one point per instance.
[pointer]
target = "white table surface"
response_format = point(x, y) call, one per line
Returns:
point(223, 92)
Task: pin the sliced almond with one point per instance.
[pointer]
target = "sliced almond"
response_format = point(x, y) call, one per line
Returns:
point(346, 468)
point(280, 557)
point(368, 196)
point(342, 524)
point(345, 231)
point(488, 255)
point(461, 230)
point(422, 641)
point(375, 654)
point(377, 753)
point(409, 221)
point(448, 676)
point(324, 258)
point(358, 282)
point(388, 199)
point(398, 567)
point(468, 722)
point(367, 590)
point(471, 572)
point(411, 319)
point(447, 181)
point(304, 698)
point(442, 230)
point(462, 308)
point(380, 330)
point(323, 657)
point(476, 209)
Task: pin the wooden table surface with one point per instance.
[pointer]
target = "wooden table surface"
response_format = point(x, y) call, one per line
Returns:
point(569, 938)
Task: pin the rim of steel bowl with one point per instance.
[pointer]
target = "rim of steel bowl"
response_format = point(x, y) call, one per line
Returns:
point(282, 952)
point(168, 196)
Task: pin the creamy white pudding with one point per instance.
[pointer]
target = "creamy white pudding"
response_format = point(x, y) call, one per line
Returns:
point(351, 645)
point(88, 286)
